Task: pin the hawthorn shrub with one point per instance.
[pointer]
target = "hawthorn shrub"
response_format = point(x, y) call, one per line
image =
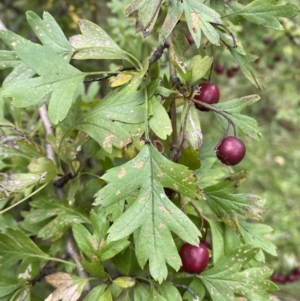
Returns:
point(99, 193)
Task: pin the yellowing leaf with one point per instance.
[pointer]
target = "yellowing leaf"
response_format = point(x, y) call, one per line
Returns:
point(124, 281)
point(121, 79)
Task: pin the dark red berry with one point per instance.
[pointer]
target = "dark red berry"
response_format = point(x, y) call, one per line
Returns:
point(277, 58)
point(219, 68)
point(194, 258)
point(267, 40)
point(190, 39)
point(296, 271)
point(208, 93)
point(169, 192)
point(231, 150)
point(275, 277)
point(282, 279)
point(292, 277)
point(230, 72)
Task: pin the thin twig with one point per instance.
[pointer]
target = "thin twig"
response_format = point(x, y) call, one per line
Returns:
point(185, 287)
point(212, 65)
point(49, 131)
point(229, 32)
point(70, 245)
point(157, 54)
point(199, 214)
point(211, 108)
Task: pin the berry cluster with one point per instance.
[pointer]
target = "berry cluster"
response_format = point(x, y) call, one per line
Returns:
point(293, 276)
point(230, 150)
point(219, 69)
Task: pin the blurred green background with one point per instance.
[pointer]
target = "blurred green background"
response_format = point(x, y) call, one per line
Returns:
point(273, 163)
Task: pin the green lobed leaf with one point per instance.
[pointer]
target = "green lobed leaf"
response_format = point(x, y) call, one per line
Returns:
point(44, 167)
point(105, 122)
point(154, 295)
point(246, 124)
point(225, 280)
point(254, 234)
point(96, 293)
point(21, 71)
point(175, 10)
point(83, 239)
point(50, 34)
point(169, 291)
point(250, 73)
point(191, 122)
point(189, 158)
point(152, 211)
point(140, 292)
point(8, 285)
point(199, 18)
point(147, 14)
point(177, 50)
point(159, 122)
point(57, 78)
point(16, 246)
point(95, 43)
point(218, 243)
point(227, 205)
point(94, 268)
point(199, 66)
point(266, 12)
point(8, 59)
point(64, 217)
point(14, 183)
point(11, 39)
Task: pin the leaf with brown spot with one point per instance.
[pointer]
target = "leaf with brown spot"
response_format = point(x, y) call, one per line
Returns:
point(227, 278)
point(147, 12)
point(105, 123)
point(199, 18)
point(151, 213)
point(227, 205)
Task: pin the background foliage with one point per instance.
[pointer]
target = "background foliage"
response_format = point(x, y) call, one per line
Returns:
point(271, 164)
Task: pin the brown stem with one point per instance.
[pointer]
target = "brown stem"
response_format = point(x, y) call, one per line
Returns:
point(185, 287)
point(211, 108)
point(229, 32)
point(212, 65)
point(70, 245)
point(49, 131)
point(199, 214)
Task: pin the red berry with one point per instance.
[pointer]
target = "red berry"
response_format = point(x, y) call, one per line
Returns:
point(208, 93)
point(292, 277)
point(277, 58)
point(190, 39)
point(282, 279)
point(169, 192)
point(230, 72)
point(231, 150)
point(296, 271)
point(194, 258)
point(275, 277)
point(267, 40)
point(219, 68)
